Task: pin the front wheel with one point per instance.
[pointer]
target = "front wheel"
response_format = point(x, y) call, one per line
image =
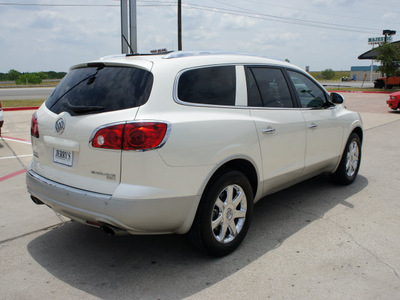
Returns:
point(224, 214)
point(349, 165)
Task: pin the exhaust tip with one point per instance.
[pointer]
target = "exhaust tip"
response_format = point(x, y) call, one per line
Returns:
point(108, 230)
point(111, 230)
point(36, 200)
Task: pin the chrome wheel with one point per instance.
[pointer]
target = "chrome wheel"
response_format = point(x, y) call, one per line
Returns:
point(229, 214)
point(224, 214)
point(350, 162)
point(353, 154)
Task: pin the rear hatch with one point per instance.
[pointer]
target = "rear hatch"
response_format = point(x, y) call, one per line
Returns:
point(90, 97)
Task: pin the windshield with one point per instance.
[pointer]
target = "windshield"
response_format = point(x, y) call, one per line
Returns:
point(98, 88)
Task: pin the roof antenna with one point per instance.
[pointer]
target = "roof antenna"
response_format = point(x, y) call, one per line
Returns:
point(126, 41)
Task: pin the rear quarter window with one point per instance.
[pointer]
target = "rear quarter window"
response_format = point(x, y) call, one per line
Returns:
point(101, 89)
point(209, 85)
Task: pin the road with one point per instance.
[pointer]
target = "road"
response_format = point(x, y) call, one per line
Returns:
point(25, 93)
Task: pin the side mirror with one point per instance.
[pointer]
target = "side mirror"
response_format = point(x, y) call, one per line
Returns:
point(336, 98)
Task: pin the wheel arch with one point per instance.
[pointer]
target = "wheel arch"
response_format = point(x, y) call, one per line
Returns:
point(242, 165)
point(359, 132)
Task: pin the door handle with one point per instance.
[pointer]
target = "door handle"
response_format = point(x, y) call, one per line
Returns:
point(268, 130)
point(313, 125)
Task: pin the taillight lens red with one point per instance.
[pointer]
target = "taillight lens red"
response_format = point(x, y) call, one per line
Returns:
point(109, 137)
point(34, 126)
point(131, 136)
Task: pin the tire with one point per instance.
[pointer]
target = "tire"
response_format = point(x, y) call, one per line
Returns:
point(349, 165)
point(224, 214)
point(379, 84)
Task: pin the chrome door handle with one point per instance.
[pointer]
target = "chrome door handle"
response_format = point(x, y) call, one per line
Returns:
point(313, 125)
point(268, 130)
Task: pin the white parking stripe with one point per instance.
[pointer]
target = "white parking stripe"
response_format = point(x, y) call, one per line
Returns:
point(16, 140)
point(8, 157)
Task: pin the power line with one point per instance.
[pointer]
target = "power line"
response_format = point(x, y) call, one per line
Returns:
point(148, 3)
point(241, 12)
point(287, 20)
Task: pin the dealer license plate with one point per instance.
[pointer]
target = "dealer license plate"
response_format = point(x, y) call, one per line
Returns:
point(63, 157)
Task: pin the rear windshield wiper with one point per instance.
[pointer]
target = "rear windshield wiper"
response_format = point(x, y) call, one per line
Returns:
point(91, 78)
point(80, 109)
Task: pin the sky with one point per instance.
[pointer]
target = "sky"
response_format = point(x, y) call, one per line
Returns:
point(52, 35)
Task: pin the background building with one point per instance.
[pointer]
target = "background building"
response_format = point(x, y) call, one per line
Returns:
point(360, 73)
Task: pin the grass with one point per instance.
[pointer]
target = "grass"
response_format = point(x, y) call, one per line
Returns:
point(22, 103)
point(338, 75)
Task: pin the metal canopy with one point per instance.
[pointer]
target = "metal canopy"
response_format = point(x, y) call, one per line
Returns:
point(373, 53)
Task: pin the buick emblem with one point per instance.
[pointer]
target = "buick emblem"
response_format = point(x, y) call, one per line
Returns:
point(60, 125)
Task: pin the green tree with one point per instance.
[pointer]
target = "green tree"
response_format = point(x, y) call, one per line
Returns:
point(28, 78)
point(328, 74)
point(13, 74)
point(389, 57)
point(42, 75)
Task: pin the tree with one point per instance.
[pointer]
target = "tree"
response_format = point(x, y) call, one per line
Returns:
point(328, 74)
point(389, 57)
point(28, 78)
point(13, 74)
point(42, 75)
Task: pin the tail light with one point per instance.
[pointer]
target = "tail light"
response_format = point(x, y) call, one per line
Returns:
point(131, 136)
point(34, 126)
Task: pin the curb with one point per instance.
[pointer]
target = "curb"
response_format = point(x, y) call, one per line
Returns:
point(360, 92)
point(20, 108)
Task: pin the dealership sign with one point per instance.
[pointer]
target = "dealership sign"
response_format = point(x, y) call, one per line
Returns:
point(379, 40)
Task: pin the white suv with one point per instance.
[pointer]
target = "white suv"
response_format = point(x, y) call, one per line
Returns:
point(185, 142)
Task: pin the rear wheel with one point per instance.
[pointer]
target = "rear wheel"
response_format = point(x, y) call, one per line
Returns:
point(349, 165)
point(224, 214)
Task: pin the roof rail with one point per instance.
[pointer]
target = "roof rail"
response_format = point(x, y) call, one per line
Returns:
point(178, 54)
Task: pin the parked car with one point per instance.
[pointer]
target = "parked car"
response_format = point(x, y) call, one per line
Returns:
point(185, 142)
point(394, 100)
point(1, 117)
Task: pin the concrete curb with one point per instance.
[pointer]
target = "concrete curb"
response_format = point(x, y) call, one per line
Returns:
point(361, 92)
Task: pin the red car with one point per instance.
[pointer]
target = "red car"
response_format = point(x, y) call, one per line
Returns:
point(394, 101)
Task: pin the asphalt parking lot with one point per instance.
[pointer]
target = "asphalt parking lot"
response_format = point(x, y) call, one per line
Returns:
point(315, 240)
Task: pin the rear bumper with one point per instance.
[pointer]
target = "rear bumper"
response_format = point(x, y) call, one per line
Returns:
point(137, 216)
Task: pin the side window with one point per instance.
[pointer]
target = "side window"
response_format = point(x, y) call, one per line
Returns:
point(310, 95)
point(211, 85)
point(267, 87)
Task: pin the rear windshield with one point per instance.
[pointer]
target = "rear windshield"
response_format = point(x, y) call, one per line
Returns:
point(98, 88)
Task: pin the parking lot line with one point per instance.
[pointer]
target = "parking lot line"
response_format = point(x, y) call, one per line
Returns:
point(7, 138)
point(12, 175)
point(8, 157)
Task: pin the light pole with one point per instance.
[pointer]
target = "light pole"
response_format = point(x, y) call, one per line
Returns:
point(128, 27)
point(179, 25)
